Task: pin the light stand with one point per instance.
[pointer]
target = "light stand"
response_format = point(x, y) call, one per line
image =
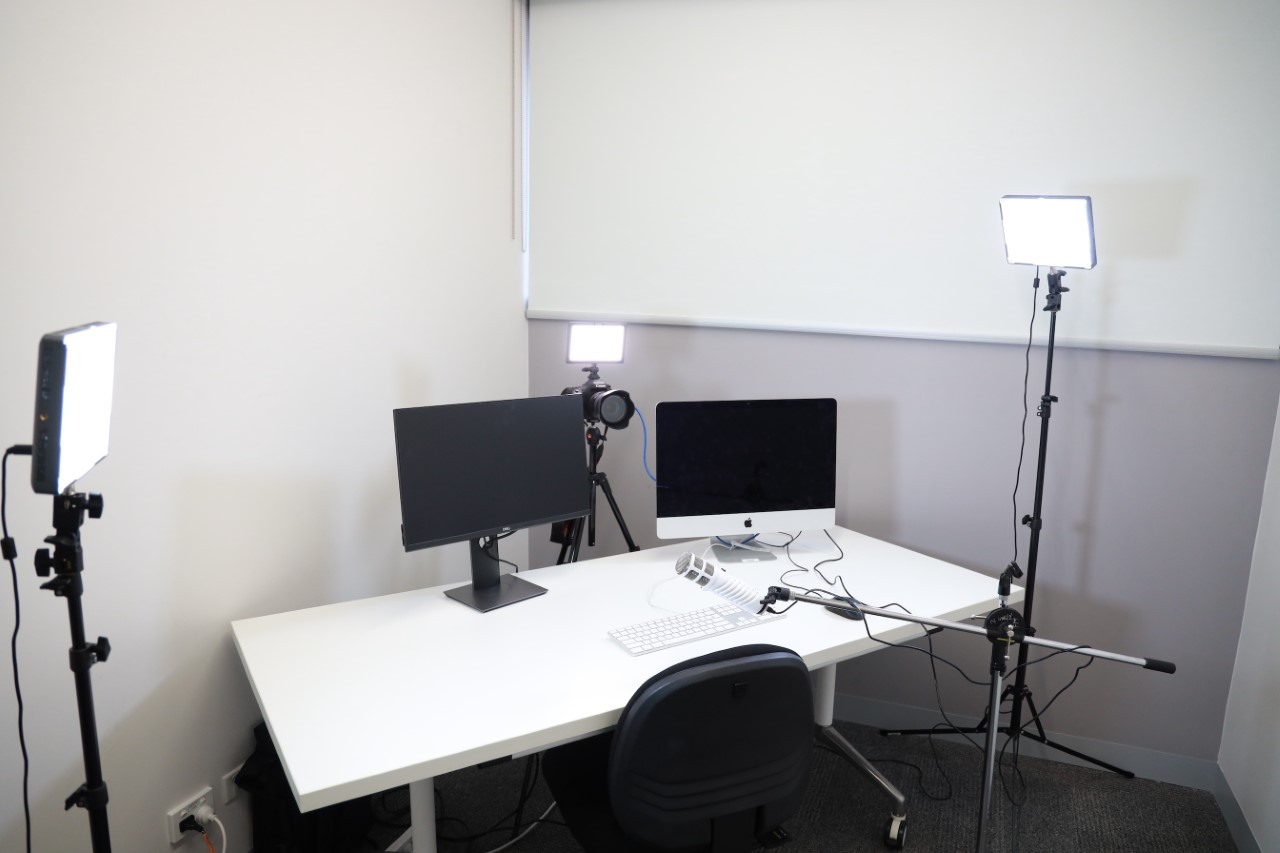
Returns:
point(1004, 627)
point(67, 563)
point(1018, 691)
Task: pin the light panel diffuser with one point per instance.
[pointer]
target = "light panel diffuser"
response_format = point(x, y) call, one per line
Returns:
point(596, 343)
point(1049, 231)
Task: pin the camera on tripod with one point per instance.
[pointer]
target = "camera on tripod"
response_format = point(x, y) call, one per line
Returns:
point(593, 343)
point(601, 402)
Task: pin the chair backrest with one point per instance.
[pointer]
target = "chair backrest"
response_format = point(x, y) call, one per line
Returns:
point(714, 751)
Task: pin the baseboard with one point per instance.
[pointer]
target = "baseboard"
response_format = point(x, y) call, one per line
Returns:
point(1144, 763)
point(1234, 815)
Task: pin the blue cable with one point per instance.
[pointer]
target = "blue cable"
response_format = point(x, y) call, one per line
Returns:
point(644, 450)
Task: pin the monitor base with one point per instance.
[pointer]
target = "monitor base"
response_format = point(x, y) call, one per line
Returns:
point(724, 554)
point(508, 590)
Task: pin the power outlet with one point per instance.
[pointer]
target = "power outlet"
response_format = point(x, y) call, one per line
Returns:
point(176, 814)
point(230, 790)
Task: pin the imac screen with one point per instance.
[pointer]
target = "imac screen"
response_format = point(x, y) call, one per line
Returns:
point(739, 467)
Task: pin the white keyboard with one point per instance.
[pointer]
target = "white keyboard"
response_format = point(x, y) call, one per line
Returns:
point(645, 637)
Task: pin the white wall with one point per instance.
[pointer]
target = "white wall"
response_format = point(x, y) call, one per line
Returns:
point(301, 215)
point(1250, 756)
point(856, 151)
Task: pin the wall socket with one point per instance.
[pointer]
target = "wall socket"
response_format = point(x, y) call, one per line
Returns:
point(176, 814)
point(229, 790)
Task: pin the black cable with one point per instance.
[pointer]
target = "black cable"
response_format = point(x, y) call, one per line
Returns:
point(929, 652)
point(1006, 785)
point(820, 563)
point(10, 553)
point(1026, 379)
point(782, 578)
point(1042, 711)
point(937, 798)
point(1017, 481)
point(527, 788)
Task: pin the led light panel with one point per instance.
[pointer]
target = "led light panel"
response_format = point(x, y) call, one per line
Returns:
point(596, 343)
point(74, 377)
point(1049, 231)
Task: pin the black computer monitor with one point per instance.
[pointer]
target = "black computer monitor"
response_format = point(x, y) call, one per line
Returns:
point(732, 468)
point(476, 471)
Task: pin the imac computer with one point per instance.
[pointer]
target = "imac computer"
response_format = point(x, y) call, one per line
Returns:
point(474, 472)
point(729, 469)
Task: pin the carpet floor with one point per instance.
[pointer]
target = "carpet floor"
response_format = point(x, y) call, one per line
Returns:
point(1048, 807)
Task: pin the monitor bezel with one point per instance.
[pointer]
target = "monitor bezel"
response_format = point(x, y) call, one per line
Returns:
point(572, 406)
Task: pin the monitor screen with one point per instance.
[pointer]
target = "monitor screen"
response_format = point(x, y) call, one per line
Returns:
point(738, 467)
point(473, 471)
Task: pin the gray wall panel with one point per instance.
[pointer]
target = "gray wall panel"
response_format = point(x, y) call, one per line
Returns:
point(1154, 480)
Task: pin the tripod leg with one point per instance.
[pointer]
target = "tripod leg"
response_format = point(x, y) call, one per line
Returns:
point(1039, 736)
point(591, 518)
point(577, 539)
point(566, 541)
point(617, 514)
point(588, 523)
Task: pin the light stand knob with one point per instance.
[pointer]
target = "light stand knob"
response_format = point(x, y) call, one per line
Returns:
point(44, 563)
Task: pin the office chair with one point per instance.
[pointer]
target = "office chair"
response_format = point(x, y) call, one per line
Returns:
point(709, 756)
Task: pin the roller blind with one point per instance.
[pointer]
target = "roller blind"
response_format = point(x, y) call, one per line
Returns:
point(836, 165)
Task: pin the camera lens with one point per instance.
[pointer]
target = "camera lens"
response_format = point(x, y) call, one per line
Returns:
point(614, 408)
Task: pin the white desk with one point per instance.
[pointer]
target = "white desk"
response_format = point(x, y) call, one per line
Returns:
point(368, 695)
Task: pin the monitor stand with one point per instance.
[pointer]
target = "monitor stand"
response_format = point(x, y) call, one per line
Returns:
point(743, 554)
point(490, 589)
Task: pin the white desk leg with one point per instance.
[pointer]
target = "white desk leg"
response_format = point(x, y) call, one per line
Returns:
point(422, 814)
point(824, 696)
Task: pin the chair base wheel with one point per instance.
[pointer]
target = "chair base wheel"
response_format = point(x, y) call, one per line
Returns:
point(895, 834)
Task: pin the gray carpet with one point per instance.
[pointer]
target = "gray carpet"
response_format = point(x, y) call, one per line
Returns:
point(1063, 808)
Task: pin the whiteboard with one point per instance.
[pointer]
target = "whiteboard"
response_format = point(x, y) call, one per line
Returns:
point(837, 165)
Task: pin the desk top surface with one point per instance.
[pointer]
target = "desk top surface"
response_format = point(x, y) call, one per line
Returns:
point(363, 696)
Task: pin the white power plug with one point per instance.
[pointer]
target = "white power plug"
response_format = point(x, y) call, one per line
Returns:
point(206, 815)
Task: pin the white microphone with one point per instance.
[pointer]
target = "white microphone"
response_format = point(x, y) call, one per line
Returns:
point(712, 578)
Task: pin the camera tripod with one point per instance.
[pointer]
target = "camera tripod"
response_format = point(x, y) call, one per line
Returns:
point(569, 533)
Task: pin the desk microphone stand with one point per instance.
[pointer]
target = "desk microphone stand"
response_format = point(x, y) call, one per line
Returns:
point(67, 563)
point(1018, 691)
point(1004, 627)
point(570, 535)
